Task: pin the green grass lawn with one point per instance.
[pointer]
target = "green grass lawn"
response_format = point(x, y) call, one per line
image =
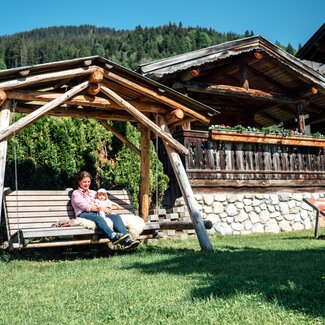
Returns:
point(255, 279)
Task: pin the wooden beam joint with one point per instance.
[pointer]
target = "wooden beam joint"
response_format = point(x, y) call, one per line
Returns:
point(3, 96)
point(174, 116)
point(190, 74)
point(93, 89)
point(258, 55)
point(87, 63)
point(96, 77)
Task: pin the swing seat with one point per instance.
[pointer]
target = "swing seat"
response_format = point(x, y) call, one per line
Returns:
point(319, 206)
point(30, 216)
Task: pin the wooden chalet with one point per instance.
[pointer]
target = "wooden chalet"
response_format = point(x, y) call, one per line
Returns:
point(254, 83)
point(97, 88)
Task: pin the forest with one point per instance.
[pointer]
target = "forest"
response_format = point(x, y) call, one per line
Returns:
point(49, 153)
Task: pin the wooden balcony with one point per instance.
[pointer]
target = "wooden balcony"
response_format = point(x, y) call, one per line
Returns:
point(220, 159)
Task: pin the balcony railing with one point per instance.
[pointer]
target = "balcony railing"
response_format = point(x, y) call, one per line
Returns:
point(223, 158)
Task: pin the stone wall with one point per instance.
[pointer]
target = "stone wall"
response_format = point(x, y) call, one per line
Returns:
point(251, 213)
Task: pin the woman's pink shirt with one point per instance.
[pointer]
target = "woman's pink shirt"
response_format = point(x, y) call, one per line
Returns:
point(82, 201)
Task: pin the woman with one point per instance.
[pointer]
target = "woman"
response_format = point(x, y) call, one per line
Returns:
point(83, 203)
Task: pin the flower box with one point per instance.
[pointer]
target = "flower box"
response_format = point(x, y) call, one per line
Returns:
point(260, 137)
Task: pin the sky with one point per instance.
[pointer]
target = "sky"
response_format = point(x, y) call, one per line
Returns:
point(285, 21)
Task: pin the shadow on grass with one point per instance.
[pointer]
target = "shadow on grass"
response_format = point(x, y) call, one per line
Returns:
point(58, 253)
point(293, 279)
point(320, 237)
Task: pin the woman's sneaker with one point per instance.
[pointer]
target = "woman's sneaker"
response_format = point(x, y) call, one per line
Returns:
point(119, 238)
point(130, 244)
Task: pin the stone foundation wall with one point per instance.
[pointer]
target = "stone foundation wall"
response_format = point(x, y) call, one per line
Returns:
point(250, 213)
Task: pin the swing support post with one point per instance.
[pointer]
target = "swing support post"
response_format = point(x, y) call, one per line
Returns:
point(187, 192)
point(4, 123)
point(144, 173)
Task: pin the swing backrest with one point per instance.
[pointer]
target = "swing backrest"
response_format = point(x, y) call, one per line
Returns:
point(40, 209)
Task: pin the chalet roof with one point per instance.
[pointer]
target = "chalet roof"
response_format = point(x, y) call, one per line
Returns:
point(158, 69)
point(317, 66)
point(314, 49)
point(256, 79)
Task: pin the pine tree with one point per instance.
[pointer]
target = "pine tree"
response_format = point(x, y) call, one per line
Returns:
point(2, 64)
point(290, 49)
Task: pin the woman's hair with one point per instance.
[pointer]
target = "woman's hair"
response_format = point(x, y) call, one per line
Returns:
point(81, 175)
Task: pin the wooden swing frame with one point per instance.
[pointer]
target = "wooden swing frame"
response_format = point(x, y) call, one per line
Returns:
point(96, 88)
point(46, 219)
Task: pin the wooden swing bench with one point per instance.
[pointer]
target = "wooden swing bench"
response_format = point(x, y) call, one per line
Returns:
point(31, 217)
point(319, 206)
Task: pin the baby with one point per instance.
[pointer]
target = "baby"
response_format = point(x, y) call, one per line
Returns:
point(133, 223)
point(103, 201)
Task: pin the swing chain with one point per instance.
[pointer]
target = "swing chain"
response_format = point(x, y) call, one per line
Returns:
point(14, 105)
point(156, 171)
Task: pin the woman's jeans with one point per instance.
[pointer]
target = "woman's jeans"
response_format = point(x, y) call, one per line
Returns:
point(118, 224)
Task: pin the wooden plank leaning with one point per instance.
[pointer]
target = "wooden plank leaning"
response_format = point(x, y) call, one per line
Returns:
point(187, 192)
point(144, 120)
point(120, 137)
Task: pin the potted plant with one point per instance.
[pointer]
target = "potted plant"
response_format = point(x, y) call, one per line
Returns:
point(266, 135)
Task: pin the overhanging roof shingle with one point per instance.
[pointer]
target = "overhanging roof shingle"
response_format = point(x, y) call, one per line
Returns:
point(160, 68)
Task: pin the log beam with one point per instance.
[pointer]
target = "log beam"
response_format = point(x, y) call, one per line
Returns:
point(258, 55)
point(144, 172)
point(190, 74)
point(187, 192)
point(309, 92)
point(314, 90)
point(121, 137)
point(3, 96)
point(75, 112)
point(144, 120)
point(184, 121)
point(45, 77)
point(156, 96)
point(26, 120)
point(82, 100)
point(93, 89)
point(174, 116)
point(226, 90)
point(96, 77)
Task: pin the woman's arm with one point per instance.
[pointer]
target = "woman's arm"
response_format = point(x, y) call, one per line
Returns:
point(107, 210)
point(82, 203)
